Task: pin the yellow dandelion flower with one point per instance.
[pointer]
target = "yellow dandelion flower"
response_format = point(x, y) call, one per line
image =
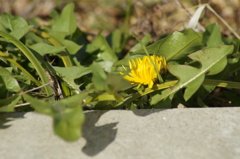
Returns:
point(142, 72)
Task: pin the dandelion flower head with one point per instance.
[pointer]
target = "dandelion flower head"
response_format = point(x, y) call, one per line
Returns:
point(142, 71)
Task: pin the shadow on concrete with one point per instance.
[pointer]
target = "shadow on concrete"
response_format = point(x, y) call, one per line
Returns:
point(7, 117)
point(145, 112)
point(97, 137)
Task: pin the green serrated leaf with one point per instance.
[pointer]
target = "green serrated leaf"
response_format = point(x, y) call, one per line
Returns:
point(14, 25)
point(69, 74)
point(12, 22)
point(212, 60)
point(71, 46)
point(212, 36)
point(55, 38)
point(116, 39)
point(44, 49)
point(20, 32)
point(175, 46)
point(10, 82)
point(99, 77)
point(106, 56)
point(67, 21)
point(116, 82)
point(191, 78)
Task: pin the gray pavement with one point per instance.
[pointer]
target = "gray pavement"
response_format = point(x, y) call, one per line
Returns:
point(191, 133)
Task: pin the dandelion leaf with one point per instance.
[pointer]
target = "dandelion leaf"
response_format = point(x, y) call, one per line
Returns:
point(99, 77)
point(11, 84)
point(176, 46)
point(70, 74)
point(44, 49)
point(212, 36)
point(15, 25)
point(106, 56)
point(212, 60)
point(66, 22)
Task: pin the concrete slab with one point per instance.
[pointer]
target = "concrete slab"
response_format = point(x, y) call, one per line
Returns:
point(196, 133)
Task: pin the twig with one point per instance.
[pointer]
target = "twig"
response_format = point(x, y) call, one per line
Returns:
point(223, 21)
point(182, 6)
point(23, 104)
point(28, 103)
point(36, 88)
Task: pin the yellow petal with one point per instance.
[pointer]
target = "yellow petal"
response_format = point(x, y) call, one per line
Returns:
point(142, 71)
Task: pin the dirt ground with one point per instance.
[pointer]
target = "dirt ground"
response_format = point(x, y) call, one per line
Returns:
point(156, 17)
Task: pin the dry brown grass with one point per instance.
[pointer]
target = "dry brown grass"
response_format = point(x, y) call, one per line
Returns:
point(147, 16)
